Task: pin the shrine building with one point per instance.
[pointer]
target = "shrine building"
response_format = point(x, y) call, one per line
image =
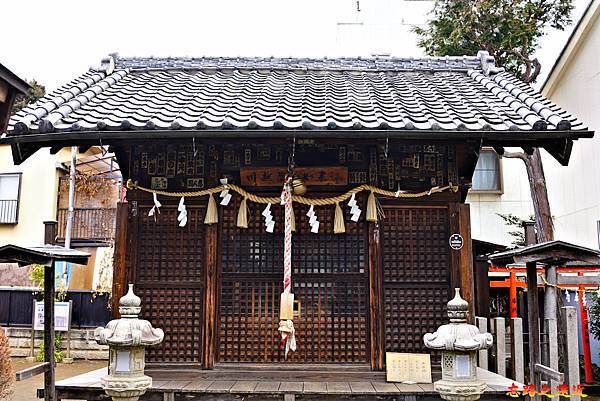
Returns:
point(398, 136)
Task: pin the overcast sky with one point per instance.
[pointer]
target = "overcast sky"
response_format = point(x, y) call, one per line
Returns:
point(54, 41)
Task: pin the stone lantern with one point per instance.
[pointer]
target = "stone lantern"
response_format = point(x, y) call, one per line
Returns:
point(127, 338)
point(459, 343)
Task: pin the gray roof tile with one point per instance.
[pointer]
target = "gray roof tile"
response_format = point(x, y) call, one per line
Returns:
point(442, 93)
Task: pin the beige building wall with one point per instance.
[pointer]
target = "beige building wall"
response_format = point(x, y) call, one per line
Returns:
point(39, 186)
point(574, 191)
point(486, 225)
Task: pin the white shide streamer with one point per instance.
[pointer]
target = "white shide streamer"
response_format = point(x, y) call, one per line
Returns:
point(354, 209)
point(269, 222)
point(156, 207)
point(312, 220)
point(182, 216)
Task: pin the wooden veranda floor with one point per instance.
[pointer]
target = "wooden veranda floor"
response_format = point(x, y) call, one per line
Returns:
point(227, 384)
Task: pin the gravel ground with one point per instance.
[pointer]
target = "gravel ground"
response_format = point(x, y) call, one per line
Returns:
point(26, 390)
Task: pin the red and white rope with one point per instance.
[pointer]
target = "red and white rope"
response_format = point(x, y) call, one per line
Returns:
point(286, 327)
point(287, 251)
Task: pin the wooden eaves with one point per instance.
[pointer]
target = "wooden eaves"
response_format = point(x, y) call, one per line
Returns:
point(549, 253)
point(557, 142)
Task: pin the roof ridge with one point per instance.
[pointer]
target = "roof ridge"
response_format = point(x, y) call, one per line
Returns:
point(377, 63)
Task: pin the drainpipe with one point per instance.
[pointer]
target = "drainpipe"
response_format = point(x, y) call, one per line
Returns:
point(70, 213)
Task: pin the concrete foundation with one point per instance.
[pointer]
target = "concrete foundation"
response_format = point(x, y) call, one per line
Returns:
point(83, 345)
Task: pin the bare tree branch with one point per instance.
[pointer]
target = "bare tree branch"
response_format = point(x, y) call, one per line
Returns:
point(516, 155)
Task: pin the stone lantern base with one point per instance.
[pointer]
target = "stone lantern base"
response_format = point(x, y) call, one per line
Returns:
point(126, 388)
point(454, 390)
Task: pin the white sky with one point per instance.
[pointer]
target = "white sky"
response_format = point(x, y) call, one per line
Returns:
point(54, 41)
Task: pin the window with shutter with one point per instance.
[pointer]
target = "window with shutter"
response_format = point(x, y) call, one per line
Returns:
point(10, 185)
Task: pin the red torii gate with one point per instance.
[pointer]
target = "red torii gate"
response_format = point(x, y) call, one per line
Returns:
point(545, 255)
point(513, 283)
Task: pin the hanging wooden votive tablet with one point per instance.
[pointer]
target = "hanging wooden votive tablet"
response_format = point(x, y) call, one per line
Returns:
point(286, 306)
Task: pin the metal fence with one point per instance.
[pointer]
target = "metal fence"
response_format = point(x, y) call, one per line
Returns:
point(16, 308)
point(9, 211)
point(89, 223)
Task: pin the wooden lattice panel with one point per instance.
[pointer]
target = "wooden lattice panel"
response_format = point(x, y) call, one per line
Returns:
point(416, 262)
point(329, 281)
point(169, 280)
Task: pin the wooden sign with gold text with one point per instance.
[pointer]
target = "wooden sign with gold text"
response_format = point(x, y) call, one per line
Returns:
point(405, 367)
point(274, 176)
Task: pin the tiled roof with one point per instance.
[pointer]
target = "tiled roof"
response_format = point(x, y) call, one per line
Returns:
point(435, 94)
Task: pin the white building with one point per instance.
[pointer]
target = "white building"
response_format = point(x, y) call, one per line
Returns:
point(500, 186)
point(574, 83)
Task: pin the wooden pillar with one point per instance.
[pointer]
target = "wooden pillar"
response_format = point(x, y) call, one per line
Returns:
point(530, 236)
point(50, 232)
point(49, 277)
point(209, 332)
point(533, 317)
point(376, 320)
point(462, 259)
point(119, 283)
point(512, 295)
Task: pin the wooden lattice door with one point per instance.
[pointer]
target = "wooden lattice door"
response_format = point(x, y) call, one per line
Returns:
point(416, 278)
point(169, 280)
point(329, 280)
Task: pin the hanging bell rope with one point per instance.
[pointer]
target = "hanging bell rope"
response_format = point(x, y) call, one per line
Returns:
point(293, 221)
point(286, 307)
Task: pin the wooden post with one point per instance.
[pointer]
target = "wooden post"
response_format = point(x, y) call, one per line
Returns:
point(482, 286)
point(585, 336)
point(209, 323)
point(550, 315)
point(518, 357)
point(49, 278)
point(50, 232)
point(533, 317)
point(467, 288)
point(481, 323)
point(512, 295)
point(376, 321)
point(500, 330)
point(572, 348)
point(530, 237)
point(119, 268)
point(461, 273)
point(552, 333)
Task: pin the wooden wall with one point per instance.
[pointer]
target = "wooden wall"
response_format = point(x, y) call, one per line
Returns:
point(215, 289)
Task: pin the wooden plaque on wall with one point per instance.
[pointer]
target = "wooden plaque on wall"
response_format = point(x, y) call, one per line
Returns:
point(274, 176)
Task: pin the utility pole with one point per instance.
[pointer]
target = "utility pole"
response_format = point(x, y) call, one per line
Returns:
point(71, 211)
